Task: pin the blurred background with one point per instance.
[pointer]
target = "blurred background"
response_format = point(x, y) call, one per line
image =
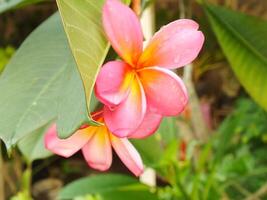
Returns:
point(215, 150)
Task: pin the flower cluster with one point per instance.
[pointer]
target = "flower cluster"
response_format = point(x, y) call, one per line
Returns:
point(136, 91)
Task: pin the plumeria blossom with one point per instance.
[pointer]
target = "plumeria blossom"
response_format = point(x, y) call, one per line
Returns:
point(141, 88)
point(96, 143)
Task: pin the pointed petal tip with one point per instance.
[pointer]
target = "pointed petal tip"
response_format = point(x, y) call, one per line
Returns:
point(128, 154)
point(138, 171)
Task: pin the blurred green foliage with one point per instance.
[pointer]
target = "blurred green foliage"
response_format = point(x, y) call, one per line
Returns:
point(5, 55)
point(232, 163)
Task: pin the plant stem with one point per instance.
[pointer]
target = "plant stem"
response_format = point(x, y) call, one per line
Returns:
point(198, 122)
point(26, 180)
point(258, 194)
point(2, 186)
point(182, 9)
point(148, 21)
point(136, 5)
point(177, 182)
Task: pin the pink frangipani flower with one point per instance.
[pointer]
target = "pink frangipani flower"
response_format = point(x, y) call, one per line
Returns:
point(141, 88)
point(96, 143)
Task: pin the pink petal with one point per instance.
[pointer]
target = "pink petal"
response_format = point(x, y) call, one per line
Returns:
point(97, 152)
point(175, 45)
point(123, 30)
point(149, 125)
point(165, 91)
point(67, 147)
point(128, 154)
point(127, 116)
point(113, 83)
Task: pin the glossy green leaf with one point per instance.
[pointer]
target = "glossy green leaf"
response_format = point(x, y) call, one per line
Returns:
point(108, 186)
point(35, 83)
point(82, 21)
point(11, 4)
point(32, 147)
point(83, 26)
point(244, 41)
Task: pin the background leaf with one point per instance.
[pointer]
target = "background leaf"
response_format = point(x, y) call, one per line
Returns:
point(7, 5)
point(82, 21)
point(109, 186)
point(32, 147)
point(244, 41)
point(34, 84)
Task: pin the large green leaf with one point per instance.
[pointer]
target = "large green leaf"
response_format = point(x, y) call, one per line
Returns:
point(108, 186)
point(32, 147)
point(72, 112)
point(244, 41)
point(83, 26)
point(35, 83)
point(10, 4)
point(82, 23)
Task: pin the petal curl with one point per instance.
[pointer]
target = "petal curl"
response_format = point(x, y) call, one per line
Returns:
point(165, 91)
point(67, 147)
point(123, 30)
point(128, 154)
point(148, 126)
point(97, 152)
point(113, 82)
point(174, 45)
point(127, 116)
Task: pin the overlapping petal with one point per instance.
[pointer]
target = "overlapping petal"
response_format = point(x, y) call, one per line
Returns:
point(123, 30)
point(173, 46)
point(67, 147)
point(165, 91)
point(128, 154)
point(113, 82)
point(97, 152)
point(128, 115)
point(148, 126)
